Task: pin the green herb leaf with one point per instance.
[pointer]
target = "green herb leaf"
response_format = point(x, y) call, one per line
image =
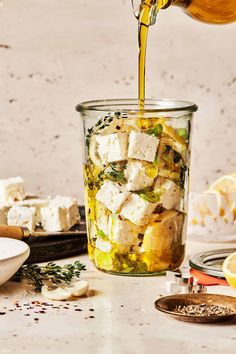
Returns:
point(150, 196)
point(101, 234)
point(182, 132)
point(157, 130)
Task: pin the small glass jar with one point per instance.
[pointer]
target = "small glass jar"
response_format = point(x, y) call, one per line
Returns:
point(136, 173)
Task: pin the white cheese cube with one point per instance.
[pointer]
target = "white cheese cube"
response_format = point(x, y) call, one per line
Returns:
point(103, 245)
point(54, 218)
point(142, 146)
point(135, 174)
point(171, 197)
point(11, 190)
point(112, 147)
point(37, 203)
point(60, 214)
point(22, 216)
point(137, 210)
point(71, 206)
point(112, 195)
point(3, 214)
point(122, 232)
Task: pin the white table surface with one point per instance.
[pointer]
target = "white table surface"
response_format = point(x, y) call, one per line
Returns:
point(125, 320)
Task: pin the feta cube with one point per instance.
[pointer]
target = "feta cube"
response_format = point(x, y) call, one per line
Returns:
point(142, 146)
point(112, 147)
point(22, 216)
point(36, 203)
point(123, 232)
point(135, 174)
point(171, 197)
point(3, 214)
point(112, 195)
point(11, 190)
point(137, 210)
point(60, 214)
point(103, 245)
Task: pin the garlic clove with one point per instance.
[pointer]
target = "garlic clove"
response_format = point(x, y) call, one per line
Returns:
point(80, 288)
point(56, 294)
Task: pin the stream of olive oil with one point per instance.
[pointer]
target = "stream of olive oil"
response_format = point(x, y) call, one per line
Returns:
point(145, 19)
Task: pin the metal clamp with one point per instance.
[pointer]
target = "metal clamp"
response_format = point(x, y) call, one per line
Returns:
point(182, 282)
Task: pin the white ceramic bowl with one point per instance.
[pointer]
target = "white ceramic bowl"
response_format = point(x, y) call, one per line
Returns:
point(13, 253)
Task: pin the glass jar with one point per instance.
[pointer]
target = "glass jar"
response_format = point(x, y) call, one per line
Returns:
point(136, 173)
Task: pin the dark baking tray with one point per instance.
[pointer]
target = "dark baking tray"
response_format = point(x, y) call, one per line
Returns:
point(67, 244)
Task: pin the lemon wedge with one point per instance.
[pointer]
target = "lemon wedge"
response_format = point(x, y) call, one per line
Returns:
point(225, 184)
point(229, 270)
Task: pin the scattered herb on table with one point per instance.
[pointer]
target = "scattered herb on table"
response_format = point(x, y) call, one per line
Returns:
point(55, 273)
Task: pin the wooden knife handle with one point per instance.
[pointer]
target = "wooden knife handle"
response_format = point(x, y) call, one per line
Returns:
point(15, 232)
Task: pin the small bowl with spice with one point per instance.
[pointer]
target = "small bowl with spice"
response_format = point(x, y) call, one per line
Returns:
point(199, 308)
point(13, 254)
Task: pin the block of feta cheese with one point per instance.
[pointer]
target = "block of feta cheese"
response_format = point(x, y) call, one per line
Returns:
point(60, 215)
point(137, 210)
point(142, 146)
point(135, 174)
point(22, 216)
point(103, 245)
point(11, 190)
point(112, 147)
point(171, 197)
point(36, 203)
point(3, 214)
point(112, 195)
point(123, 232)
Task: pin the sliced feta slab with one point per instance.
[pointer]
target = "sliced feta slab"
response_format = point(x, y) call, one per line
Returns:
point(171, 197)
point(22, 216)
point(103, 245)
point(60, 214)
point(137, 210)
point(142, 146)
point(37, 203)
point(135, 174)
point(123, 232)
point(112, 195)
point(11, 190)
point(3, 214)
point(112, 147)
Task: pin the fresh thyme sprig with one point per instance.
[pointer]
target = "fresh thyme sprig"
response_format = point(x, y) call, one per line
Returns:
point(55, 273)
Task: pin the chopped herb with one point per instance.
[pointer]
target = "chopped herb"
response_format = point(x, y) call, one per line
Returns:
point(182, 132)
point(114, 172)
point(150, 196)
point(157, 130)
point(101, 234)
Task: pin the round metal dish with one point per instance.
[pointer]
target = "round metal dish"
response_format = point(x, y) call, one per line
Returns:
point(169, 304)
point(211, 262)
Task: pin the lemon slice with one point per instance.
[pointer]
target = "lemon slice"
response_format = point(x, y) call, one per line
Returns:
point(229, 270)
point(225, 184)
point(93, 153)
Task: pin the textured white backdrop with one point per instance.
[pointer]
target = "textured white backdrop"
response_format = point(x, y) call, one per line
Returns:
point(66, 51)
